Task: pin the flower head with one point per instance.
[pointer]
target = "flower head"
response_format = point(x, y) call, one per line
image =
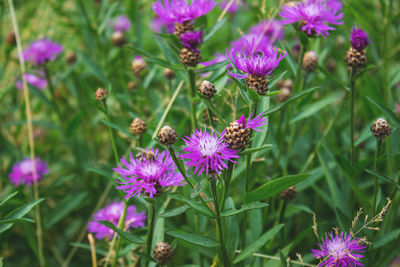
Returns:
point(22, 172)
point(148, 173)
point(314, 16)
point(343, 250)
point(159, 24)
point(121, 24)
point(41, 51)
point(180, 11)
point(255, 59)
point(191, 39)
point(359, 39)
point(33, 80)
point(272, 29)
point(112, 213)
point(207, 152)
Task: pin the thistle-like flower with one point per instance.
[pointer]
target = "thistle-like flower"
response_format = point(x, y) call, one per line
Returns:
point(314, 16)
point(35, 81)
point(343, 250)
point(41, 51)
point(189, 54)
point(356, 56)
point(113, 213)
point(149, 173)
point(207, 152)
point(23, 172)
point(121, 24)
point(359, 39)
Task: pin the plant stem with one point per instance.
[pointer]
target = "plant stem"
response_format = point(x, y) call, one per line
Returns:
point(210, 118)
point(219, 224)
point(150, 228)
point(110, 131)
point(352, 91)
point(228, 178)
point(192, 84)
point(377, 153)
point(121, 225)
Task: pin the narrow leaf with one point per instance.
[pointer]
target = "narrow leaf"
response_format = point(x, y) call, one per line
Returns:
point(195, 239)
point(174, 212)
point(245, 207)
point(7, 198)
point(194, 205)
point(384, 178)
point(389, 113)
point(127, 236)
point(256, 149)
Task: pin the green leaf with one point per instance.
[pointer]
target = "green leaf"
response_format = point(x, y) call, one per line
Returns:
point(87, 247)
point(245, 207)
point(253, 95)
point(276, 79)
point(249, 250)
point(17, 220)
point(214, 111)
point(195, 239)
point(7, 198)
point(194, 205)
point(127, 236)
point(389, 113)
point(199, 187)
point(384, 178)
point(387, 238)
point(174, 212)
point(332, 78)
point(243, 93)
point(256, 149)
point(116, 127)
point(214, 29)
point(273, 187)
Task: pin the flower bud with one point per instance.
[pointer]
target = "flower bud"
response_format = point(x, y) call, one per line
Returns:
point(288, 194)
point(10, 39)
point(131, 85)
point(118, 38)
point(138, 65)
point(138, 127)
point(162, 252)
point(310, 61)
point(258, 84)
point(169, 74)
point(101, 94)
point(186, 26)
point(207, 89)
point(380, 128)
point(190, 57)
point(284, 95)
point(167, 136)
point(70, 58)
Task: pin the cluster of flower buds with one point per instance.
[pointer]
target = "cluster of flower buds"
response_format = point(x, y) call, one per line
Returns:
point(356, 56)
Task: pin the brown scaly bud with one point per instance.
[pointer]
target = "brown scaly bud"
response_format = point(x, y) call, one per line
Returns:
point(138, 127)
point(118, 38)
point(284, 95)
point(138, 65)
point(207, 89)
point(169, 74)
point(380, 128)
point(257, 83)
point(288, 194)
point(162, 252)
point(237, 136)
point(190, 57)
point(310, 61)
point(10, 39)
point(70, 57)
point(356, 59)
point(167, 136)
point(186, 26)
point(101, 94)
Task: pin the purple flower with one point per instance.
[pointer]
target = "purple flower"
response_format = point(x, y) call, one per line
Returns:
point(33, 80)
point(359, 39)
point(252, 123)
point(121, 24)
point(112, 213)
point(255, 59)
point(272, 29)
point(41, 51)
point(147, 173)
point(343, 250)
point(180, 11)
point(335, 4)
point(158, 24)
point(313, 15)
point(242, 42)
point(233, 7)
point(218, 58)
point(191, 39)
point(207, 152)
point(22, 172)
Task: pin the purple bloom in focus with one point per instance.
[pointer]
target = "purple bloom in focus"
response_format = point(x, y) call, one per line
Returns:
point(233, 7)
point(313, 15)
point(359, 39)
point(343, 250)
point(180, 11)
point(255, 59)
point(252, 123)
point(147, 174)
point(272, 29)
point(35, 81)
point(121, 24)
point(41, 51)
point(191, 39)
point(112, 213)
point(22, 172)
point(158, 24)
point(207, 152)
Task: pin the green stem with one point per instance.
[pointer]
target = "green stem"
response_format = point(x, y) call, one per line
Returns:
point(150, 228)
point(192, 84)
point(210, 118)
point(352, 91)
point(377, 153)
point(121, 225)
point(225, 259)
point(110, 131)
point(228, 178)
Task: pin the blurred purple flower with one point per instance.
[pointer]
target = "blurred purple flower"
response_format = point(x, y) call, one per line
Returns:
point(343, 250)
point(359, 39)
point(191, 39)
point(35, 81)
point(180, 11)
point(236, 4)
point(147, 174)
point(313, 15)
point(272, 29)
point(121, 24)
point(207, 152)
point(41, 51)
point(335, 5)
point(112, 213)
point(158, 24)
point(22, 172)
point(255, 59)
point(242, 42)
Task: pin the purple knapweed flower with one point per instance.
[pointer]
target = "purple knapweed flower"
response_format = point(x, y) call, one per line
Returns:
point(159, 24)
point(35, 81)
point(207, 152)
point(314, 16)
point(148, 173)
point(359, 39)
point(113, 213)
point(255, 59)
point(22, 172)
point(236, 4)
point(191, 39)
point(343, 250)
point(272, 29)
point(180, 11)
point(41, 51)
point(252, 124)
point(121, 24)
